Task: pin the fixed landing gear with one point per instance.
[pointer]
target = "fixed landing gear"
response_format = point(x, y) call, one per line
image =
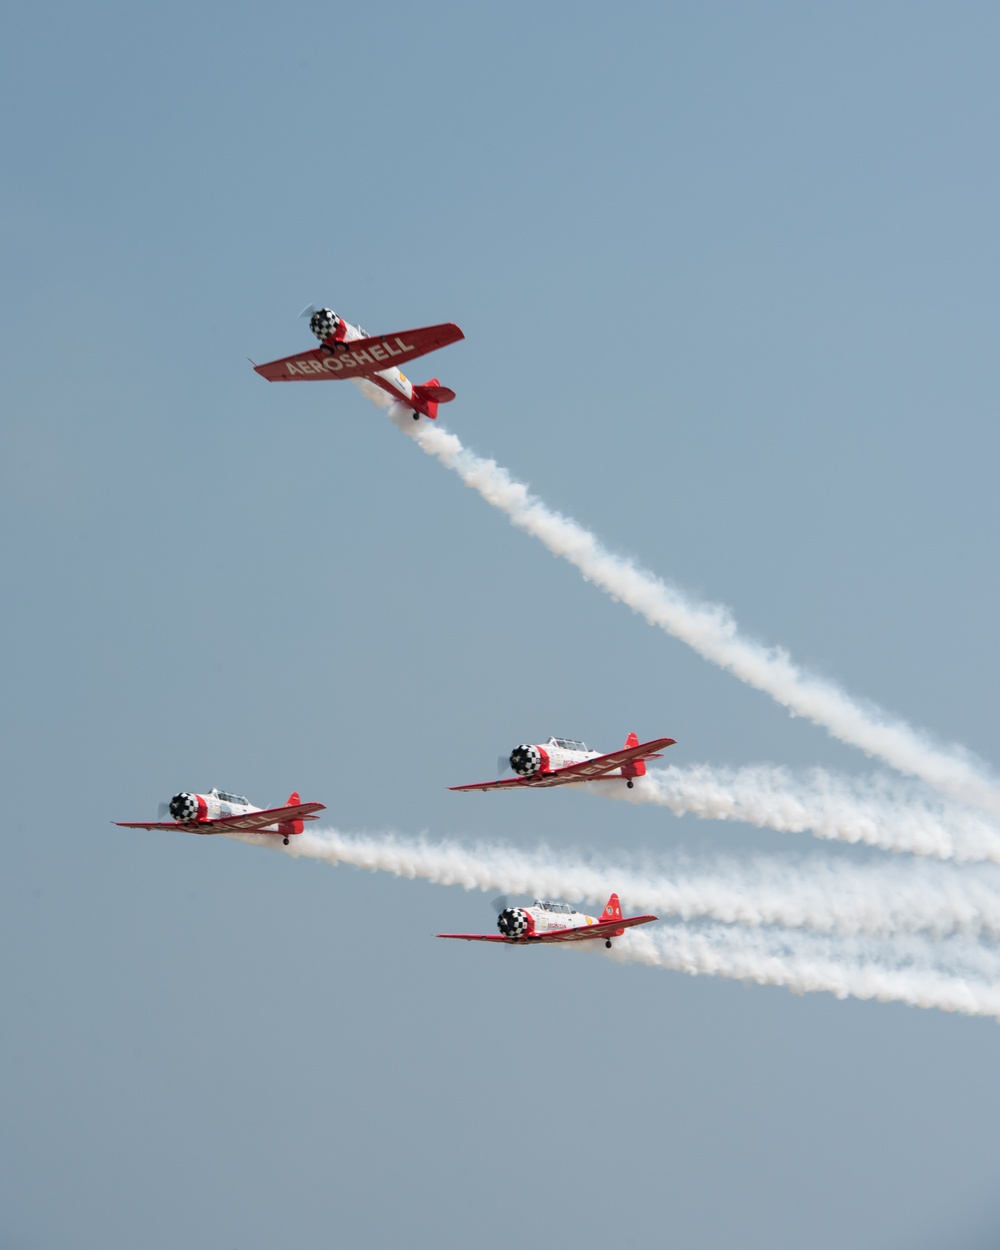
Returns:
point(631, 783)
point(285, 840)
point(416, 416)
point(608, 943)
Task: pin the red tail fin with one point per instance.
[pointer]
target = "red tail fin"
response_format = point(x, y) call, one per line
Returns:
point(431, 394)
point(637, 768)
point(292, 826)
point(613, 911)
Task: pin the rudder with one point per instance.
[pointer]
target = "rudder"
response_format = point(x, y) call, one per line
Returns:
point(635, 768)
point(613, 911)
point(288, 827)
point(431, 394)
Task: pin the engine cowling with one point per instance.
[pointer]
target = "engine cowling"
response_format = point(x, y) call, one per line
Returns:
point(526, 760)
point(323, 323)
point(514, 922)
point(184, 808)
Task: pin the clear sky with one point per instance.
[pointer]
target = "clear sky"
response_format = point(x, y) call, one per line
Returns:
point(728, 276)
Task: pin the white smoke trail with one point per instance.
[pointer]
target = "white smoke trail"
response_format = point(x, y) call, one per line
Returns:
point(710, 629)
point(876, 811)
point(847, 958)
point(819, 893)
point(806, 965)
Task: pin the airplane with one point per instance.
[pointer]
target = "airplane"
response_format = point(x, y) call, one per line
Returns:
point(545, 921)
point(347, 351)
point(219, 812)
point(563, 762)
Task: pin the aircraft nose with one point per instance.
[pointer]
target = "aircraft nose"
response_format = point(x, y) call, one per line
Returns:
point(323, 322)
point(513, 922)
point(525, 760)
point(184, 807)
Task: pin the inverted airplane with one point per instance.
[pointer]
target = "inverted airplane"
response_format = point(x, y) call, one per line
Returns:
point(564, 762)
point(219, 812)
point(545, 921)
point(347, 351)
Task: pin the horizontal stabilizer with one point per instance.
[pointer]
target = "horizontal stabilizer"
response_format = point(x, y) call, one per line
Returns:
point(434, 394)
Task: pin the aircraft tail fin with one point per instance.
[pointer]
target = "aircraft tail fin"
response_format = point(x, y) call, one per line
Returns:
point(432, 393)
point(636, 768)
point(613, 911)
point(292, 826)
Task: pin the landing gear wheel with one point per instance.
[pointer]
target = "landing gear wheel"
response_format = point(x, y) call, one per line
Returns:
point(285, 840)
point(608, 943)
point(416, 416)
point(631, 784)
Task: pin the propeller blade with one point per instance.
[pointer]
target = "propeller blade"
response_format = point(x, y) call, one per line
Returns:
point(162, 811)
point(308, 310)
point(503, 765)
point(499, 903)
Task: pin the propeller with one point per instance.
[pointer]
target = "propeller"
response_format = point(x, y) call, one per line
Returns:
point(503, 766)
point(162, 811)
point(308, 310)
point(500, 903)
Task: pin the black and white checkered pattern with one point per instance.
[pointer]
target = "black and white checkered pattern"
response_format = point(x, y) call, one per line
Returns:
point(323, 322)
point(525, 760)
point(513, 922)
point(184, 808)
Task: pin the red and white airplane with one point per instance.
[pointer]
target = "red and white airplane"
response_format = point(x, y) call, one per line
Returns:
point(219, 812)
point(564, 762)
point(347, 351)
point(545, 921)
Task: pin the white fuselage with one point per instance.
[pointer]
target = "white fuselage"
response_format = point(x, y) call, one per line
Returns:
point(190, 809)
point(561, 757)
point(548, 757)
point(221, 804)
point(549, 916)
point(392, 380)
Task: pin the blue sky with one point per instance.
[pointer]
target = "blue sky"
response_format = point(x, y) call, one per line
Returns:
point(728, 277)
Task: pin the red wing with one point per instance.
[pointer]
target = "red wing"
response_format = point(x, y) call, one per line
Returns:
point(603, 929)
point(604, 764)
point(507, 784)
point(360, 358)
point(256, 821)
point(153, 824)
point(235, 824)
point(586, 770)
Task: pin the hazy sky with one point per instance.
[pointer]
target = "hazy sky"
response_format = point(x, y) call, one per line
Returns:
point(727, 275)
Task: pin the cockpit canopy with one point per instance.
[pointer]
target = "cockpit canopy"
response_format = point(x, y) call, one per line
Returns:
point(228, 798)
point(568, 744)
point(545, 904)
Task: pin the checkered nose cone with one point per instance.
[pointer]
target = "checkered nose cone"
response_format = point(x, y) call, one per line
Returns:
point(323, 322)
point(525, 760)
point(184, 808)
point(513, 922)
